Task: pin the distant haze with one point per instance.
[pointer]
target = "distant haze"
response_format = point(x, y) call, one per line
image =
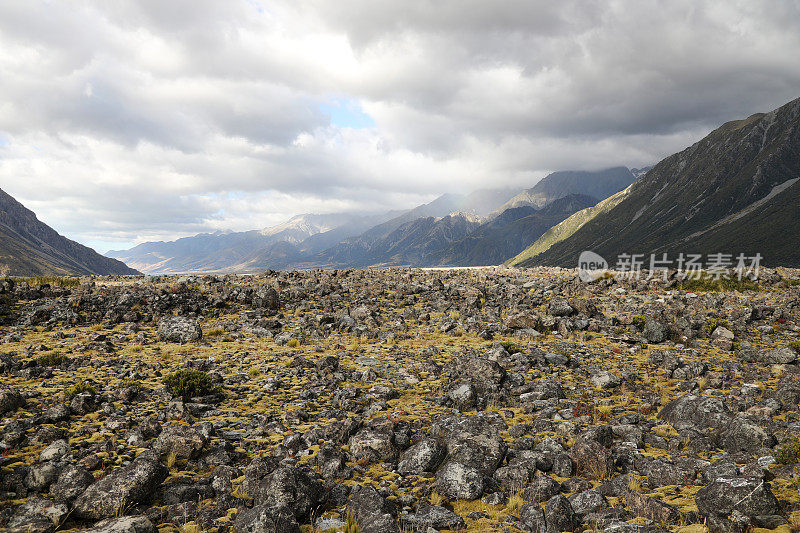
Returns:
point(129, 121)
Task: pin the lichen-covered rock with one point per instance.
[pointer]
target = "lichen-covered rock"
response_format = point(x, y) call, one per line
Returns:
point(726, 500)
point(266, 519)
point(459, 481)
point(124, 524)
point(432, 516)
point(10, 399)
point(373, 512)
point(124, 486)
point(424, 456)
point(184, 442)
point(179, 329)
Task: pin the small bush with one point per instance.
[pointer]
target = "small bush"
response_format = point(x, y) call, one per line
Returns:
point(293, 343)
point(795, 345)
point(714, 323)
point(78, 388)
point(215, 332)
point(510, 347)
point(639, 321)
point(187, 383)
point(792, 282)
point(53, 281)
point(53, 358)
point(789, 453)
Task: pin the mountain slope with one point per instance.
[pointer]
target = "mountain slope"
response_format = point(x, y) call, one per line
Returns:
point(732, 192)
point(28, 247)
point(210, 252)
point(600, 184)
point(507, 234)
point(566, 228)
point(297, 242)
point(409, 244)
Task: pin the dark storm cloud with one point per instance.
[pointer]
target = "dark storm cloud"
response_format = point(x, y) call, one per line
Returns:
point(126, 120)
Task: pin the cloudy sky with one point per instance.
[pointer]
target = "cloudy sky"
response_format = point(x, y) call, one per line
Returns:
point(124, 121)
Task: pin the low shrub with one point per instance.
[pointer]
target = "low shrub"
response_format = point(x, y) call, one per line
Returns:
point(53, 281)
point(789, 453)
point(510, 347)
point(714, 323)
point(77, 388)
point(187, 383)
point(53, 358)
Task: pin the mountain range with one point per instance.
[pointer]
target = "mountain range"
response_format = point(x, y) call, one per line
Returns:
point(29, 247)
point(452, 230)
point(734, 192)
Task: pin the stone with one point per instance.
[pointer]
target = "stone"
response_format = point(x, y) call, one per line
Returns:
point(10, 399)
point(179, 329)
point(424, 456)
point(266, 519)
point(432, 516)
point(726, 497)
point(71, 483)
point(559, 515)
point(458, 481)
point(604, 379)
point(184, 442)
point(124, 486)
point(373, 513)
point(124, 524)
point(655, 332)
point(779, 356)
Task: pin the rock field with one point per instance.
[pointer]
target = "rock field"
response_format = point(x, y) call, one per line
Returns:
point(399, 400)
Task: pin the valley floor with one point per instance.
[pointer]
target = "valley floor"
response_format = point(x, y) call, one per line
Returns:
point(481, 399)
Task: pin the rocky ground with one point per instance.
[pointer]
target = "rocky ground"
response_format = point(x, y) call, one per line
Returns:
point(404, 400)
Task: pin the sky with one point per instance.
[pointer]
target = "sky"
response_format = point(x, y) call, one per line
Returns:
point(129, 121)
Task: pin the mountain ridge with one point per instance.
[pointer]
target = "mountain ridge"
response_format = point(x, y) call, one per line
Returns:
point(688, 202)
point(29, 247)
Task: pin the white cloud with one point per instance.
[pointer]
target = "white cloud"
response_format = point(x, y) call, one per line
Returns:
point(137, 120)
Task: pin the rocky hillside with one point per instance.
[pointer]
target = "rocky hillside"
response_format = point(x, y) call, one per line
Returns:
point(413, 243)
point(736, 191)
point(28, 247)
point(244, 250)
point(600, 184)
point(507, 234)
point(479, 400)
point(307, 241)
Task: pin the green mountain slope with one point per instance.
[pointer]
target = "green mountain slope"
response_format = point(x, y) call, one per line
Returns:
point(732, 192)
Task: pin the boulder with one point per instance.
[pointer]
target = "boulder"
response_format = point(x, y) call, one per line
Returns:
point(724, 502)
point(179, 329)
point(424, 456)
point(290, 487)
point(432, 516)
point(10, 399)
point(373, 513)
point(124, 524)
point(266, 519)
point(124, 486)
point(696, 411)
point(459, 481)
point(184, 442)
